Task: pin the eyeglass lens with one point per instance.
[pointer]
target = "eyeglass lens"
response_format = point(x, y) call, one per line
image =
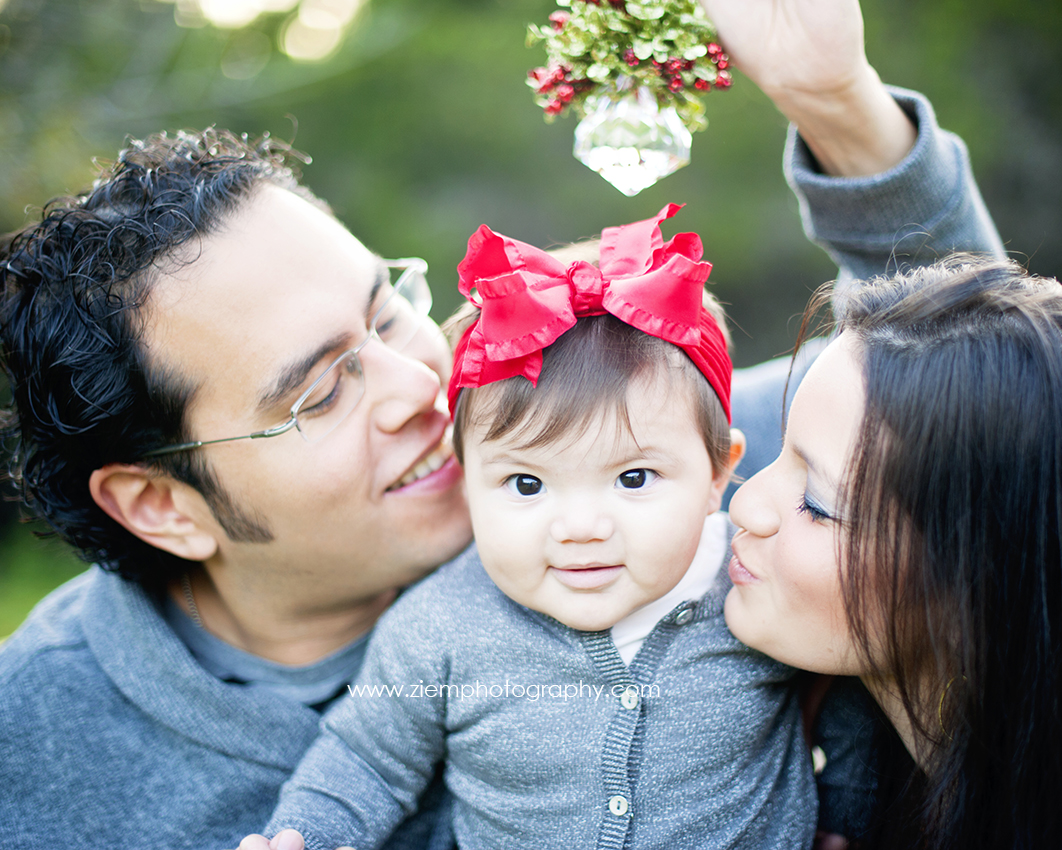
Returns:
point(398, 319)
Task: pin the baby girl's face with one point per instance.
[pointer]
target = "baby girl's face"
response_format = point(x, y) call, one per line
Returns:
point(589, 530)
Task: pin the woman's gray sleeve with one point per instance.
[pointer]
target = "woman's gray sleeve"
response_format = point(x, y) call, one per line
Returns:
point(917, 212)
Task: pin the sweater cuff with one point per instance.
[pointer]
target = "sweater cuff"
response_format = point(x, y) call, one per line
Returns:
point(915, 194)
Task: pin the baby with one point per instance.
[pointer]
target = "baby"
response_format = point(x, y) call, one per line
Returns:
point(573, 668)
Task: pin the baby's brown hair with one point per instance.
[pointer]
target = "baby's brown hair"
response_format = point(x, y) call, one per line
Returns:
point(585, 372)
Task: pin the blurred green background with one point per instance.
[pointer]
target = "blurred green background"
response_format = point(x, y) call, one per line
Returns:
point(421, 127)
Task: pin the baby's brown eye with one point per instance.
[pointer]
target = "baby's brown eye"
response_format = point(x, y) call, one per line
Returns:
point(634, 479)
point(525, 485)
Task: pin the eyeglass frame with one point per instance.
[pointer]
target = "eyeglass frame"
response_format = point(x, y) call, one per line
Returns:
point(411, 265)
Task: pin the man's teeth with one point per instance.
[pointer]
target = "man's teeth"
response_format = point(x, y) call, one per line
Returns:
point(430, 464)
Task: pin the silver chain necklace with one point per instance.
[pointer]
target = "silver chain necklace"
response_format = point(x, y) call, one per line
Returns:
point(189, 597)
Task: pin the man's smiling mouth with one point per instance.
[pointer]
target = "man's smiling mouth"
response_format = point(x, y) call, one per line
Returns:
point(433, 462)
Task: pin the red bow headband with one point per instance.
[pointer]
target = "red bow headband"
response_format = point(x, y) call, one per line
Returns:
point(528, 299)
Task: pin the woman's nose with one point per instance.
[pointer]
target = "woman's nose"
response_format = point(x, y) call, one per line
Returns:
point(752, 506)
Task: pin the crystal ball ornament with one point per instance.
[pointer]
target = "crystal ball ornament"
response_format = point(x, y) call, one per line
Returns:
point(631, 141)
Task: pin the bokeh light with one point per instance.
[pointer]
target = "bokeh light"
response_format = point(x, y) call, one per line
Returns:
point(312, 33)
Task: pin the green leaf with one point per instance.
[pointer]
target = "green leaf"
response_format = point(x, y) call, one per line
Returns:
point(642, 49)
point(645, 11)
point(598, 72)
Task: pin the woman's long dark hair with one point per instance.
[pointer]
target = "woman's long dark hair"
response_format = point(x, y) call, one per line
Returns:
point(952, 544)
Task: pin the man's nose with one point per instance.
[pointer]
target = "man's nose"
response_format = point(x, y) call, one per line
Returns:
point(398, 387)
point(581, 519)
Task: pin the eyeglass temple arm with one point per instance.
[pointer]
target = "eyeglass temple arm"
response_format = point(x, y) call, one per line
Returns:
point(275, 431)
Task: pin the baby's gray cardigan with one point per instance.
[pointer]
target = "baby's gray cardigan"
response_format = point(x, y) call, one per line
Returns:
point(542, 748)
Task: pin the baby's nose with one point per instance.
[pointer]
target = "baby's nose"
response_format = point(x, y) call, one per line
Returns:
point(581, 521)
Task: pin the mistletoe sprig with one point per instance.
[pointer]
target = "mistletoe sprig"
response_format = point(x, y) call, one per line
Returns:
point(592, 46)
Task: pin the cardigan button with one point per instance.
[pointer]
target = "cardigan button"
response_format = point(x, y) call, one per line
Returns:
point(618, 805)
point(683, 616)
point(629, 699)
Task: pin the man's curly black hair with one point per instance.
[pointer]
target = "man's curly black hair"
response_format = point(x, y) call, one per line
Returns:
point(84, 391)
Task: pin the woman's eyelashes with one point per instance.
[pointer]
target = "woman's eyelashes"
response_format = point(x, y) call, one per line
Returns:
point(522, 484)
point(809, 506)
point(636, 479)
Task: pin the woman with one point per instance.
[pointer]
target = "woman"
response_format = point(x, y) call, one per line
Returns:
point(910, 533)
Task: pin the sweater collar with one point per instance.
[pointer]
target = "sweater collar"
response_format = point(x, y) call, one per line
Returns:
point(154, 670)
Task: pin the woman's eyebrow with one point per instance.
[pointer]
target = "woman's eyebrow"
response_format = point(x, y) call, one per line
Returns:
point(814, 469)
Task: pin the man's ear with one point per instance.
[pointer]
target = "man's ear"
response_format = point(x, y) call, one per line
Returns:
point(156, 508)
point(721, 478)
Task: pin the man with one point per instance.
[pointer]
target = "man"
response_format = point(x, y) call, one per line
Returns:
point(163, 335)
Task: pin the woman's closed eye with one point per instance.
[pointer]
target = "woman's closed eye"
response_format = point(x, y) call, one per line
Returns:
point(636, 479)
point(808, 506)
point(524, 485)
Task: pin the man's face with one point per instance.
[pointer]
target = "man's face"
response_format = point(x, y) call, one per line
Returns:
point(270, 300)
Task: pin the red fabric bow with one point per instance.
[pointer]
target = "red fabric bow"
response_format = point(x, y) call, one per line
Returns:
point(528, 299)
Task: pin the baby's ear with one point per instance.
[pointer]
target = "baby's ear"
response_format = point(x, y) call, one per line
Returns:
point(722, 477)
point(737, 451)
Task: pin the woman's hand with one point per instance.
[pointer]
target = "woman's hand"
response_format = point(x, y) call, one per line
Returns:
point(808, 57)
point(793, 48)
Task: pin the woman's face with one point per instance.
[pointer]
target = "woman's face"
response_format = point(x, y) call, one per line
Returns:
point(786, 600)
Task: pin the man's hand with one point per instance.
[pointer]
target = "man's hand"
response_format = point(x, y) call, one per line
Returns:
point(808, 57)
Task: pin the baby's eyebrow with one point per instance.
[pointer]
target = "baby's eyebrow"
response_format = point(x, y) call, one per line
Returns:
point(505, 459)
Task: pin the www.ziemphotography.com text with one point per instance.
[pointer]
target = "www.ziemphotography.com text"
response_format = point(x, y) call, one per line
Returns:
point(508, 690)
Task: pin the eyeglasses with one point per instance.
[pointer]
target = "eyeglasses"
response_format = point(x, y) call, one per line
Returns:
point(398, 317)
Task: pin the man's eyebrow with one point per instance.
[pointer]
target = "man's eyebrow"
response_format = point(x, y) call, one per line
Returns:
point(383, 275)
point(292, 376)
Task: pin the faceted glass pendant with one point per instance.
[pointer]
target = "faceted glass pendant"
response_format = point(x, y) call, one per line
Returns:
point(631, 142)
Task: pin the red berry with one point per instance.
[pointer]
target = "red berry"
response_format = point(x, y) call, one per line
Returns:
point(629, 57)
point(554, 107)
point(714, 49)
point(722, 63)
point(559, 19)
point(675, 83)
point(565, 92)
point(723, 80)
point(702, 85)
